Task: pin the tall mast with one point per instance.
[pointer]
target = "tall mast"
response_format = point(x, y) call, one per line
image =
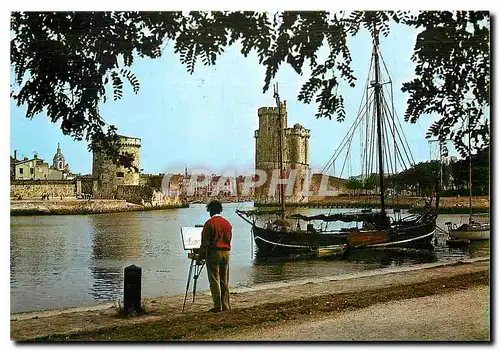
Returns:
point(280, 153)
point(470, 172)
point(378, 110)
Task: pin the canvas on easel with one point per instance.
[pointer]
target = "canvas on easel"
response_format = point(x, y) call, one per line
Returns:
point(191, 237)
point(191, 240)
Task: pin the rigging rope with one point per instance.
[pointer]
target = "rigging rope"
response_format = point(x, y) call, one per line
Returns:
point(399, 153)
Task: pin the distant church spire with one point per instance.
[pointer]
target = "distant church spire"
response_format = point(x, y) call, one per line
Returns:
point(58, 161)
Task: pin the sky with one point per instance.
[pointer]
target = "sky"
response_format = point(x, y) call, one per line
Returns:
point(207, 119)
point(169, 100)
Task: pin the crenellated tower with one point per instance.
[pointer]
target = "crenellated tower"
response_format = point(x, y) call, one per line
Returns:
point(109, 175)
point(295, 154)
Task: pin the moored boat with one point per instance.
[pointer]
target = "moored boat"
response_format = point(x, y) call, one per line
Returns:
point(370, 229)
point(470, 231)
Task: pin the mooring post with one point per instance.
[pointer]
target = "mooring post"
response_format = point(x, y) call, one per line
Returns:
point(132, 289)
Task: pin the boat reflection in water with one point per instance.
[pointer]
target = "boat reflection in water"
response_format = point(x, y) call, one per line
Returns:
point(381, 256)
point(391, 256)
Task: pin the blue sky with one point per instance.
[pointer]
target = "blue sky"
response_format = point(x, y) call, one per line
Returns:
point(207, 119)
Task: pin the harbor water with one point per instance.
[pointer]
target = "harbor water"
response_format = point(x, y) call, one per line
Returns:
point(78, 260)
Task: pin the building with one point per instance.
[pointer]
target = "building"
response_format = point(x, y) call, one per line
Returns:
point(59, 162)
point(36, 169)
point(172, 184)
point(109, 175)
point(223, 186)
point(295, 155)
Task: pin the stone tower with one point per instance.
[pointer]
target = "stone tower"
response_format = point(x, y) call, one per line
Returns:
point(295, 154)
point(109, 175)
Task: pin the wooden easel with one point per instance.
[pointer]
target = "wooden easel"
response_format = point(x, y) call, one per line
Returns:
point(197, 265)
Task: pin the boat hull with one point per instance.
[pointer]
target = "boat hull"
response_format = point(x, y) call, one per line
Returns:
point(273, 242)
point(471, 234)
point(282, 243)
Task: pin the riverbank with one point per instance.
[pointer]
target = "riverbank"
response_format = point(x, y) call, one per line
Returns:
point(28, 207)
point(447, 205)
point(33, 207)
point(263, 304)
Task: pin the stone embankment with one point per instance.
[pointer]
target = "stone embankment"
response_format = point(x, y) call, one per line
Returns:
point(446, 204)
point(74, 206)
point(224, 199)
point(265, 304)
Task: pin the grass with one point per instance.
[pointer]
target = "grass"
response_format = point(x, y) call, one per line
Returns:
point(121, 313)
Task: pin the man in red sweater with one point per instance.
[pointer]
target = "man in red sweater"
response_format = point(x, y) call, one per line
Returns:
point(215, 247)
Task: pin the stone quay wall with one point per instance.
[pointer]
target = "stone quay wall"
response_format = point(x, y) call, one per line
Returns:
point(148, 196)
point(134, 193)
point(37, 188)
point(59, 207)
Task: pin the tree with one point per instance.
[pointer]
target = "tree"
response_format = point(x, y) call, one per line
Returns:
point(371, 182)
point(452, 53)
point(421, 178)
point(67, 63)
point(354, 184)
point(480, 172)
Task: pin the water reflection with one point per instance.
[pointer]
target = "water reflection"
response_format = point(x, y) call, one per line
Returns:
point(107, 283)
point(68, 261)
point(31, 252)
point(391, 256)
point(117, 237)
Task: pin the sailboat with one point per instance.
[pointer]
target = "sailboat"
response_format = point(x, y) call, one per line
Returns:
point(369, 229)
point(474, 229)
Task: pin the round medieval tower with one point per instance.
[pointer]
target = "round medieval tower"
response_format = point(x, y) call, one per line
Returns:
point(297, 161)
point(109, 175)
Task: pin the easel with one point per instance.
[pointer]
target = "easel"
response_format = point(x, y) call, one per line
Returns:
point(191, 240)
point(197, 264)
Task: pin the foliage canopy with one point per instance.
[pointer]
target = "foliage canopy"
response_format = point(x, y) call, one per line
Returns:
point(67, 63)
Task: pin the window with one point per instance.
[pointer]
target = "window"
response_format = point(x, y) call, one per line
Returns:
point(20, 171)
point(32, 171)
point(119, 174)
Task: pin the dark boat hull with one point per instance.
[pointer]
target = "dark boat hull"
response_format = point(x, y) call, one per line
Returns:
point(273, 242)
point(283, 243)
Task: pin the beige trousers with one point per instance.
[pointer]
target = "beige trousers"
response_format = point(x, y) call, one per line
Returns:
point(218, 277)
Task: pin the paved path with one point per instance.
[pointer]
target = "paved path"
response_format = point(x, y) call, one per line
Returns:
point(463, 315)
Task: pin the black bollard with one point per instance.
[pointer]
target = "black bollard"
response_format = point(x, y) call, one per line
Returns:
point(132, 289)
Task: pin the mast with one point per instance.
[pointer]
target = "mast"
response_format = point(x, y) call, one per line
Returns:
point(280, 152)
point(378, 110)
point(470, 172)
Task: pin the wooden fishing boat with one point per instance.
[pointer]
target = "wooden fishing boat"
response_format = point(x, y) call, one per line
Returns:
point(274, 235)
